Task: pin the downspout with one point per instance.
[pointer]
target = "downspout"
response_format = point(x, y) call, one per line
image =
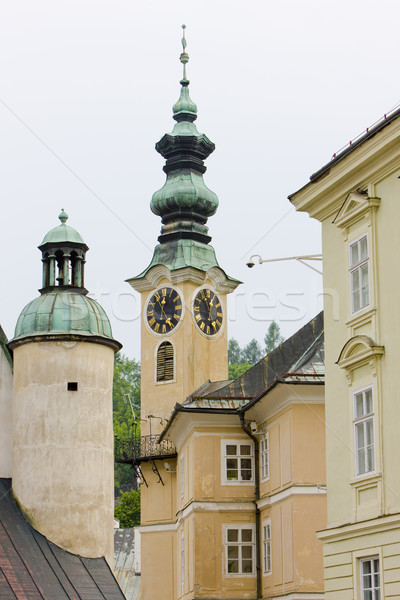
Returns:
point(257, 497)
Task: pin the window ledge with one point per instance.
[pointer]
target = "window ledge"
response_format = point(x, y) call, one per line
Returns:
point(367, 479)
point(361, 316)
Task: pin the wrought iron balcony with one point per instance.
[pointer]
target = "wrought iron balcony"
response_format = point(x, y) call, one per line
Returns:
point(142, 449)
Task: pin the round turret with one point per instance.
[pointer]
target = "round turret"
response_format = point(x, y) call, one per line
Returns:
point(63, 467)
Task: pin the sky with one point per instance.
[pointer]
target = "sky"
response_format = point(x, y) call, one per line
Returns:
point(87, 88)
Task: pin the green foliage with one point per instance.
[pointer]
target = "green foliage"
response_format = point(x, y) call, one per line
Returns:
point(126, 386)
point(241, 359)
point(234, 352)
point(273, 337)
point(252, 353)
point(235, 371)
point(128, 511)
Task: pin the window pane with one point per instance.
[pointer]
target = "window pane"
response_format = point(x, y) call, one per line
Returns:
point(233, 551)
point(231, 449)
point(368, 401)
point(361, 462)
point(245, 450)
point(247, 552)
point(231, 463)
point(369, 429)
point(247, 566)
point(359, 405)
point(360, 435)
point(355, 280)
point(363, 248)
point(233, 566)
point(247, 535)
point(232, 535)
point(354, 254)
point(370, 459)
point(245, 463)
point(246, 475)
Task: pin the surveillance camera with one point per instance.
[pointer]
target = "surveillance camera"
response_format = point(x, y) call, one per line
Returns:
point(250, 264)
point(253, 427)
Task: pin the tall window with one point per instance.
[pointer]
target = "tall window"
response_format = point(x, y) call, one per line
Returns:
point(266, 539)
point(359, 279)
point(364, 431)
point(370, 580)
point(238, 461)
point(240, 550)
point(165, 362)
point(264, 457)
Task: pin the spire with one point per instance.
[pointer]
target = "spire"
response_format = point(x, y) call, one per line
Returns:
point(184, 202)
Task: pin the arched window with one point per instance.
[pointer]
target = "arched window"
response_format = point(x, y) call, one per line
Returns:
point(165, 362)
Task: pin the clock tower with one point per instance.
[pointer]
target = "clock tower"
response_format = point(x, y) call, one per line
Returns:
point(183, 290)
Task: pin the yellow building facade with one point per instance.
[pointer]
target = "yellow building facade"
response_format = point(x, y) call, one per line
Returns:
point(233, 473)
point(355, 197)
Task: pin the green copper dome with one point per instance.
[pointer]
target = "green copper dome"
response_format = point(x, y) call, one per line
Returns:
point(63, 233)
point(63, 312)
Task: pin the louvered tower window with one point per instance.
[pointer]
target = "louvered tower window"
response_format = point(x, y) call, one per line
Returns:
point(165, 362)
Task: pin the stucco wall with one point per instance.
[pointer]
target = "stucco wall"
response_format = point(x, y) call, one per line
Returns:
point(63, 443)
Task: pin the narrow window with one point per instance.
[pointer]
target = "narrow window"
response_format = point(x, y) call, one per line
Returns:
point(359, 277)
point(238, 461)
point(370, 579)
point(264, 457)
point(165, 362)
point(266, 533)
point(364, 431)
point(239, 546)
point(72, 386)
point(182, 470)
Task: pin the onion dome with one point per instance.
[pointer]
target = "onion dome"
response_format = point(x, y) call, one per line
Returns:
point(184, 202)
point(63, 310)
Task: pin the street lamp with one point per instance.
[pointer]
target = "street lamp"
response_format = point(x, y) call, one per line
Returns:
point(300, 259)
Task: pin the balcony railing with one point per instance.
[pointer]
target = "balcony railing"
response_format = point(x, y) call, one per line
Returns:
point(146, 447)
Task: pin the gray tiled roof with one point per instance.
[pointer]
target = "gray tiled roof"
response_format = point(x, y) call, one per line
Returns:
point(32, 568)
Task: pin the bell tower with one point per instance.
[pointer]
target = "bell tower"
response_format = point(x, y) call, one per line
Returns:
point(63, 467)
point(183, 290)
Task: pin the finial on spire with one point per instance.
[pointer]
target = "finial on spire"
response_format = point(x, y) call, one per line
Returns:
point(184, 57)
point(63, 216)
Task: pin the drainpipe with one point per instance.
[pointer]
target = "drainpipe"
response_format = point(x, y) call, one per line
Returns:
point(257, 497)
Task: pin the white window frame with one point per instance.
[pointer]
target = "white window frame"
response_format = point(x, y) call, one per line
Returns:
point(361, 422)
point(241, 545)
point(364, 587)
point(267, 548)
point(239, 457)
point(357, 267)
point(182, 474)
point(264, 457)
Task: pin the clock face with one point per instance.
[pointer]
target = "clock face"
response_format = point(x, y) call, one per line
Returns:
point(164, 310)
point(207, 312)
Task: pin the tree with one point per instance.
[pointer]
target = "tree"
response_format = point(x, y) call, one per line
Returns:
point(252, 353)
point(235, 371)
point(234, 352)
point(128, 510)
point(126, 389)
point(273, 337)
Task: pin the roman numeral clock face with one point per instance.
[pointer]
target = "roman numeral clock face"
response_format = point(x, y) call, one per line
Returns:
point(164, 310)
point(207, 312)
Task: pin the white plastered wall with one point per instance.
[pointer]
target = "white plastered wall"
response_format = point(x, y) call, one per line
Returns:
point(63, 443)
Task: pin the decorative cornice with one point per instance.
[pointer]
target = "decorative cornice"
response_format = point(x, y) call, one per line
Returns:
point(355, 207)
point(360, 350)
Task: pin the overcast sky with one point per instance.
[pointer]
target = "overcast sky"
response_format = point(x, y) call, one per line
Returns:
point(87, 88)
